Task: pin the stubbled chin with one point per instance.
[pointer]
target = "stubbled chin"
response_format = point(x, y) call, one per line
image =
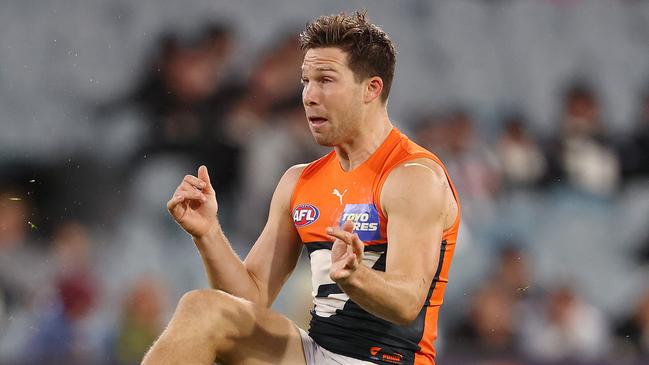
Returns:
point(321, 139)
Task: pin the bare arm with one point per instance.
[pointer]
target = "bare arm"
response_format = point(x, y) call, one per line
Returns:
point(271, 260)
point(417, 201)
point(273, 257)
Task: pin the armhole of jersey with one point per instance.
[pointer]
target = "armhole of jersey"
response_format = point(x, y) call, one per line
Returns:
point(414, 156)
point(296, 187)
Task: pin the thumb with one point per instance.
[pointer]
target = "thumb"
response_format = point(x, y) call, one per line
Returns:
point(205, 176)
point(348, 226)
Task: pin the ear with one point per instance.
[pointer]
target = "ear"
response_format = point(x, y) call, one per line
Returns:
point(373, 89)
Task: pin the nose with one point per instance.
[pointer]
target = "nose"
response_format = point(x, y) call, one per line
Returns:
point(309, 95)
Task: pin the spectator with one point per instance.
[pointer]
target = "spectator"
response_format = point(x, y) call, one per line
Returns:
point(566, 329)
point(522, 161)
point(489, 330)
point(72, 249)
point(492, 328)
point(141, 322)
point(274, 147)
point(431, 132)
point(60, 338)
point(583, 153)
point(25, 273)
point(185, 99)
point(13, 219)
point(472, 161)
point(514, 274)
point(64, 333)
point(273, 80)
point(183, 80)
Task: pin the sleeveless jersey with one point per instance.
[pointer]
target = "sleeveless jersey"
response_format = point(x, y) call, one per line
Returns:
point(325, 195)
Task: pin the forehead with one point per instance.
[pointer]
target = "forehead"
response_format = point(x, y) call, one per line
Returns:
point(325, 59)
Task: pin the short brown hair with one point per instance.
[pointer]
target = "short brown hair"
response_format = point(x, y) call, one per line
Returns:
point(370, 51)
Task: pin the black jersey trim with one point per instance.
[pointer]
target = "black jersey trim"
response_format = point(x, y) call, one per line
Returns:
point(440, 263)
point(325, 245)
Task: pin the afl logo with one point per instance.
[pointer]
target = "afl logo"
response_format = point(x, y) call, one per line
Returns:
point(305, 214)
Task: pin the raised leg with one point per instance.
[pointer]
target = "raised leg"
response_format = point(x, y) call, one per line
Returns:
point(211, 325)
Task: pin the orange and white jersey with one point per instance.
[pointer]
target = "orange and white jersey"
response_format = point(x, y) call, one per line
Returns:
point(326, 195)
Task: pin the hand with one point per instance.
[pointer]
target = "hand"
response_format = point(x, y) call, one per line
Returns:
point(346, 252)
point(194, 205)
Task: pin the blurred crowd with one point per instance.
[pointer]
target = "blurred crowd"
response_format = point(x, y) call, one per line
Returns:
point(91, 266)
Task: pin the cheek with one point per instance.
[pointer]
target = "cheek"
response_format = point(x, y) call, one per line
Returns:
point(342, 103)
point(353, 102)
point(345, 98)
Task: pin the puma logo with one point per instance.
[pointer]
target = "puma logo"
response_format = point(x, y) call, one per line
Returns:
point(339, 194)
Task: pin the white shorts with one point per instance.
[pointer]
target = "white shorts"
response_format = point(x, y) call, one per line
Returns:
point(316, 355)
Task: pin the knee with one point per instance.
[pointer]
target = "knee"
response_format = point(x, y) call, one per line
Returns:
point(202, 302)
point(215, 307)
point(201, 312)
point(216, 312)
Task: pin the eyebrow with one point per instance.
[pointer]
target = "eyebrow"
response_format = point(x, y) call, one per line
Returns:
point(323, 69)
point(326, 68)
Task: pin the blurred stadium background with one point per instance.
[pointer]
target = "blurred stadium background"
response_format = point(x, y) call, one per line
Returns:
point(539, 108)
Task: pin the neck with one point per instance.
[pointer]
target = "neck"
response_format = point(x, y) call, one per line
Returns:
point(362, 145)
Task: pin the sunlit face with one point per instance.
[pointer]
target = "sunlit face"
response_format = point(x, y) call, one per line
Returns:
point(333, 99)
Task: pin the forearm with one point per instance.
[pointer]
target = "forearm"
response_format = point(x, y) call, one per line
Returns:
point(389, 296)
point(225, 270)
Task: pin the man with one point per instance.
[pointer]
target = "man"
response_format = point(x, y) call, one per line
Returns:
point(378, 215)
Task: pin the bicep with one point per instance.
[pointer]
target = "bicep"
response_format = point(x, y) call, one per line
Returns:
point(414, 197)
point(276, 252)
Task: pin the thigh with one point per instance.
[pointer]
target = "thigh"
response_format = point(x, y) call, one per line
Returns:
point(261, 336)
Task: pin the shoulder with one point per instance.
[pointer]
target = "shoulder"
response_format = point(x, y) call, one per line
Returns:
point(419, 171)
point(420, 183)
point(292, 175)
point(407, 154)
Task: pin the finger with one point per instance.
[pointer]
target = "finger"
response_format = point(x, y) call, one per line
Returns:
point(194, 181)
point(193, 195)
point(175, 205)
point(173, 202)
point(348, 262)
point(350, 251)
point(348, 226)
point(185, 186)
point(204, 176)
point(357, 244)
point(337, 233)
point(351, 261)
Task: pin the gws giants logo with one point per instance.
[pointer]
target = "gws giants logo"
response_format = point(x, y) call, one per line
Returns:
point(305, 214)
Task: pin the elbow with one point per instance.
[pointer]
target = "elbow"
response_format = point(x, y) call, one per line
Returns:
point(406, 315)
point(402, 320)
point(406, 309)
point(256, 292)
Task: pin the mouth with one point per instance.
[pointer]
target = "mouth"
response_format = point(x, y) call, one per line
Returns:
point(317, 121)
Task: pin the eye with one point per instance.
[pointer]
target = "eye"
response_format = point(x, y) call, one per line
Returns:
point(304, 81)
point(326, 80)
